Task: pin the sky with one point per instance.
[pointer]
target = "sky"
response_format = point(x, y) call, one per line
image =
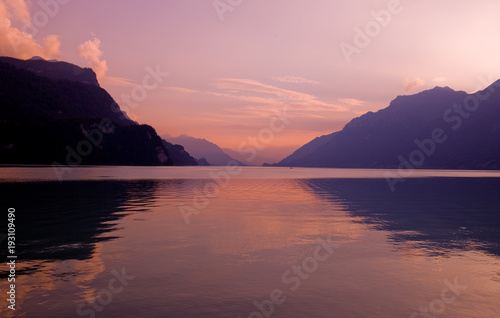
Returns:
point(281, 72)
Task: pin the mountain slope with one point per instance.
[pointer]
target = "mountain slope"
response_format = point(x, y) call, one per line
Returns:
point(44, 120)
point(468, 134)
point(25, 94)
point(258, 160)
point(202, 148)
point(54, 69)
point(179, 155)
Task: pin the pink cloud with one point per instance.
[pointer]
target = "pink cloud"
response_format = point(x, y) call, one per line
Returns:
point(410, 85)
point(439, 79)
point(19, 42)
point(246, 90)
point(351, 101)
point(19, 10)
point(92, 52)
point(297, 100)
point(293, 80)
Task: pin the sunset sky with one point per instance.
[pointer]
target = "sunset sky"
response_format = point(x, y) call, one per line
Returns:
point(233, 64)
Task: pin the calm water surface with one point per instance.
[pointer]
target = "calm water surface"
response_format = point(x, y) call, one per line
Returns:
point(115, 242)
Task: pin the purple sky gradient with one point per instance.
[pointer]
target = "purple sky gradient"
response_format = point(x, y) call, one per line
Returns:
point(227, 76)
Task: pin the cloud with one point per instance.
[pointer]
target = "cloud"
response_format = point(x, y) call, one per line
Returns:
point(261, 100)
point(52, 45)
point(117, 81)
point(19, 9)
point(238, 85)
point(182, 90)
point(92, 52)
point(410, 85)
point(275, 95)
point(293, 80)
point(439, 79)
point(269, 96)
point(20, 42)
point(351, 101)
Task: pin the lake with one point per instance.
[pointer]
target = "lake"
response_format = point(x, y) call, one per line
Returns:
point(251, 242)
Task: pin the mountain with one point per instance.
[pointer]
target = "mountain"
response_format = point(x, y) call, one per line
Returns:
point(310, 147)
point(435, 129)
point(54, 113)
point(258, 160)
point(179, 155)
point(202, 149)
point(54, 69)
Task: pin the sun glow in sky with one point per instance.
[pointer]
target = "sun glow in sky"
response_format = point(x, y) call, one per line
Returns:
point(233, 64)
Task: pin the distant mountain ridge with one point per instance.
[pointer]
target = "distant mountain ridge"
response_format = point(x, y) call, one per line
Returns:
point(49, 117)
point(202, 149)
point(258, 160)
point(469, 125)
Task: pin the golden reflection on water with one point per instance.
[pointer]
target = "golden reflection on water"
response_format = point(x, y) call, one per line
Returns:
point(88, 270)
point(49, 276)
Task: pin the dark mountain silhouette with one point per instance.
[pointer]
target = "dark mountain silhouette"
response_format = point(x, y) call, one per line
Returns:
point(435, 129)
point(62, 119)
point(179, 155)
point(202, 149)
point(54, 69)
point(203, 162)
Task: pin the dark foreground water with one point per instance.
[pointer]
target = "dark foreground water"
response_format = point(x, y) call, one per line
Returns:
point(265, 242)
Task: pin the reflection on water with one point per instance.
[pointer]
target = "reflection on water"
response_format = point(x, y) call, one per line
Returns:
point(439, 214)
point(395, 253)
point(61, 221)
point(60, 230)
